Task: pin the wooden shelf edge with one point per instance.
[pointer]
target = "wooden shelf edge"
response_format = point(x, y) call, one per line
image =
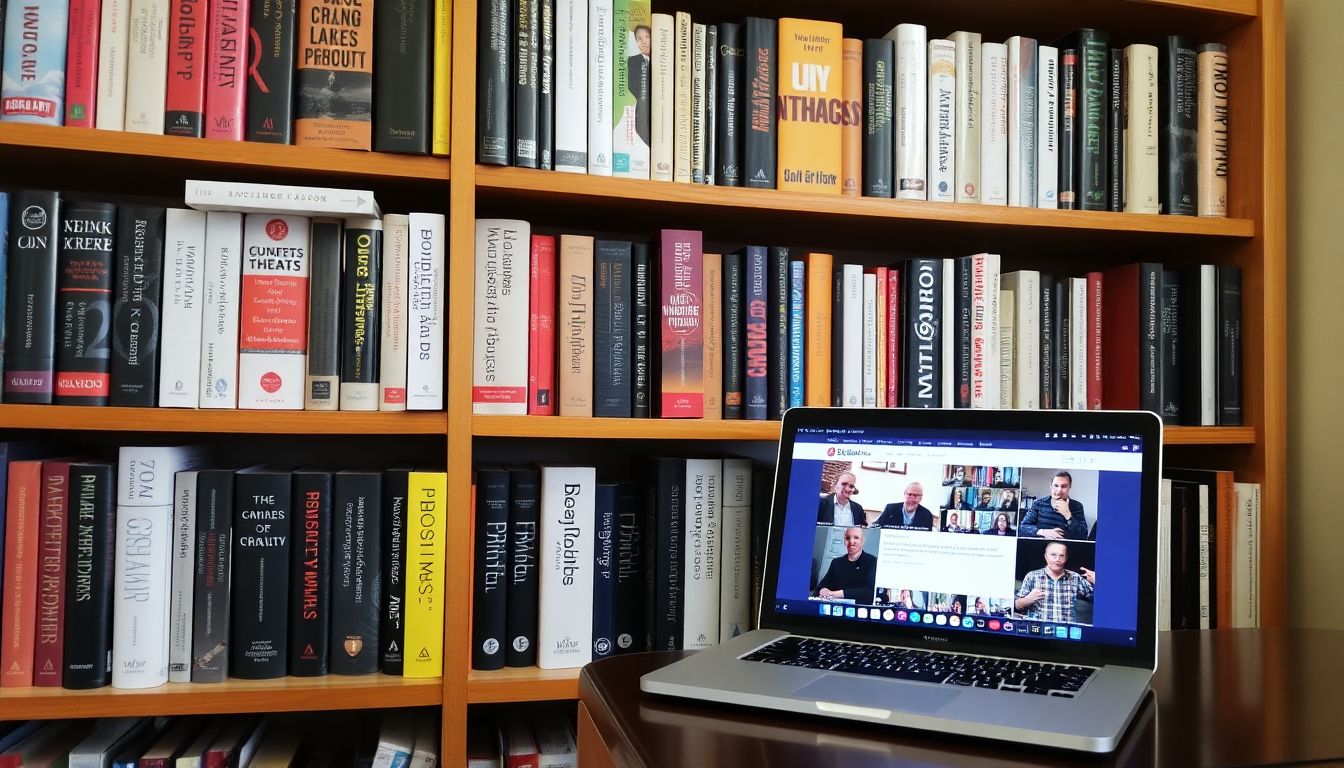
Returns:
point(73, 417)
point(1247, 8)
point(290, 694)
point(522, 684)
point(572, 186)
point(207, 152)
point(1208, 435)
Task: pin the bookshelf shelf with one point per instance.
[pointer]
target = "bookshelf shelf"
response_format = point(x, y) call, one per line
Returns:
point(72, 417)
point(1247, 8)
point(522, 684)
point(332, 692)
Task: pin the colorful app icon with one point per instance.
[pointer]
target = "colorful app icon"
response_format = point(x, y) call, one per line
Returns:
point(863, 613)
point(902, 615)
point(940, 620)
point(825, 610)
point(1061, 632)
point(1007, 626)
point(849, 612)
point(1075, 633)
point(928, 618)
point(889, 614)
point(954, 621)
point(914, 616)
point(994, 624)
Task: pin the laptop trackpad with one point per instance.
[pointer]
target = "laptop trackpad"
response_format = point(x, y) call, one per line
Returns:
point(876, 694)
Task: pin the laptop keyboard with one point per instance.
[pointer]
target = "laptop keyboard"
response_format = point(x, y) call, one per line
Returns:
point(925, 666)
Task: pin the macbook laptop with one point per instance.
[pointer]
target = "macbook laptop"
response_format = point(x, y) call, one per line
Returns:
point(981, 573)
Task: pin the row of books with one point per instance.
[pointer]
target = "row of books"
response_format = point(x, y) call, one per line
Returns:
point(407, 738)
point(568, 570)
point(1208, 550)
point(616, 328)
point(348, 75)
point(523, 736)
point(160, 568)
point(231, 304)
point(610, 88)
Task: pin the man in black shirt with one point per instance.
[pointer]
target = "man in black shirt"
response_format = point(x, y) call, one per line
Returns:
point(852, 575)
point(1056, 517)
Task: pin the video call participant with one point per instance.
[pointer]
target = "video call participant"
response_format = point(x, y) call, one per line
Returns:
point(954, 525)
point(1049, 593)
point(958, 477)
point(851, 576)
point(1008, 500)
point(837, 508)
point(910, 514)
point(1057, 517)
point(1002, 526)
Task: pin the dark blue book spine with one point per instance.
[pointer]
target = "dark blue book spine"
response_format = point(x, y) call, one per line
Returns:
point(797, 330)
point(760, 140)
point(611, 334)
point(357, 588)
point(641, 354)
point(604, 572)
point(734, 317)
point(492, 564)
point(628, 600)
point(1171, 346)
point(757, 347)
point(666, 499)
point(777, 318)
point(520, 623)
point(923, 286)
point(1229, 346)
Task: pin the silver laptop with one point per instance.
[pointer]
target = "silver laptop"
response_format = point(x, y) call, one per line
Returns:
point(986, 573)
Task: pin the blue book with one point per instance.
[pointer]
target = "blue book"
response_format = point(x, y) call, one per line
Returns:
point(33, 87)
point(797, 324)
point(604, 575)
point(612, 331)
point(756, 357)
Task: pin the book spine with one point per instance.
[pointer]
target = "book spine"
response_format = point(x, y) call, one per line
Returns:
point(1150, 337)
point(225, 90)
point(1048, 351)
point(756, 333)
point(1007, 345)
point(245, 197)
point(665, 603)
point(599, 86)
point(576, 325)
point(565, 589)
point(811, 146)
point(1047, 127)
point(1177, 84)
point(870, 355)
point(322, 382)
point(520, 620)
point(1060, 343)
point(425, 555)
point(41, 56)
point(1115, 132)
point(1229, 347)
point(735, 550)
point(1206, 361)
point(214, 564)
point(642, 357)
point(1141, 131)
point(49, 643)
point(182, 580)
point(356, 590)
point(113, 54)
point(984, 330)
point(393, 324)
point(334, 78)
point(571, 86)
point(1212, 160)
point(630, 89)
point(818, 345)
point(957, 333)
point(777, 331)
point(1078, 367)
point(525, 54)
point(397, 518)
point(969, 111)
point(1026, 289)
point(84, 303)
point(611, 333)
point(702, 567)
point(942, 121)
point(911, 118)
point(893, 320)
point(146, 85)
point(219, 320)
point(546, 88)
point(500, 378)
point(628, 592)
point(728, 105)
point(797, 333)
point(441, 99)
point(136, 306)
point(273, 312)
point(698, 92)
point(759, 142)
point(852, 122)
point(682, 107)
point(604, 570)
point(712, 317)
point(19, 603)
point(662, 99)
point(734, 335)
point(259, 593)
point(852, 337)
point(184, 96)
point(402, 55)
point(426, 346)
point(711, 101)
point(310, 574)
point(360, 277)
point(30, 309)
point(837, 362)
point(994, 124)
point(90, 556)
point(270, 72)
point(494, 141)
point(541, 327)
point(1170, 340)
point(879, 67)
point(1091, 131)
point(81, 63)
point(923, 297)
point(682, 335)
point(1068, 125)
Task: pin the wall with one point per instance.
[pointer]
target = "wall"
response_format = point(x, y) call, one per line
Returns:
point(1315, 312)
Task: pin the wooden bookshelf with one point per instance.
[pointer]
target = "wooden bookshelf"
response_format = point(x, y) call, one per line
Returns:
point(73, 417)
point(522, 684)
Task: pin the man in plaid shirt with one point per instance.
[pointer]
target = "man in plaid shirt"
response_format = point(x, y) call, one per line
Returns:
point(1048, 594)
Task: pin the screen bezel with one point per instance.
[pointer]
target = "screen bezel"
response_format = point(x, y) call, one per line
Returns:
point(1147, 425)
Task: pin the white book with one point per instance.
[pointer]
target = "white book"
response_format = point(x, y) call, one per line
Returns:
point(735, 550)
point(565, 588)
point(1026, 287)
point(942, 121)
point(1022, 76)
point(143, 561)
point(555, 743)
point(146, 78)
point(698, 92)
point(1208, 345)
point(426, 753)
point(180, 329)
point(1164, 557)
point(113, 54)
point(1140, 132)
point(499, 379)
point(994, 124)
point(243, 197)
point(682, 87)
point(662, 98)
point(571, 86)
point(183, 577)
point(1078, 317)
point(1047, 127)
point(219, 309)
point(396, 740)
point(852, 335)
point(948, 339)
point(273, 312)
point(107, 736)
point(911, 121)
point(1205, 576)
point(984, 330)
point(1007, 345)
point(599, 87)
point(1246, 557)
point(700, 620)
point(968, 115)
point(392, 348)
point(425, 316)
point(869, 340)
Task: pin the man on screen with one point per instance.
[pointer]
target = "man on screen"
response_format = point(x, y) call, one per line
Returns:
point(837, 508)
point(910, 514)
point(852, 575)
point(1049, 593)
point(1057, 517)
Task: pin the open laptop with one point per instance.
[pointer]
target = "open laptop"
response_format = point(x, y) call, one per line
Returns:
point(984, 573)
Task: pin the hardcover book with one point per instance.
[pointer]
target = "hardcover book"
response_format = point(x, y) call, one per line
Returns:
point(611, 332)
point(662, 99)
point(1022, 77)
point(1212, 161)
point(632, 48)
point(735, 549)
point(184, 99)
point(520, 621)
point(392, 352)
point(246, 197)
point(259, 594)
point(214, 564)
point(642, 356)
point(682, 334)
point(943, 110)
point(219, 318)
point(182, 581)
point(994, 124)
point(402, 76)
point(84, 303)
point(23, 524)
point(910, 122)
point(922, 314)
point(30, 296)
point(546, 88)
point(33, 86)
point(700, 627)
point(1141, 130)
point(396, 519)
point(599, 87)
point(851, 132)
point(571, 86)
point(969, 114)
point(604, 570)
point(146, 85)
point(698, 93)
point(728, 106)
point(1047, 127)
point(494, 91)
point(565, 623)
point(426, 323)
point(734, 335)
point(322, 380)
point(183, 263)
point(525, 57)
point(360, 276)
point(427, 530)
point(443, 68)
point(712, 309)
point(756, 332)
point(270, 71)
point(759, 142)
point(682, 92)
point(136, 305)
point(335, 75)
point(777, 331)
point(273, 312)
point(1091, 110)
point(225, 89)
point(812, 110)
point(1178, 135)
point(628, 594)
point(500, 369)
point(310, 573)
point(879, 68)
point(81, 62)
point(356, 578)
point(575, 297)
point(90, 554)
point(541, 328)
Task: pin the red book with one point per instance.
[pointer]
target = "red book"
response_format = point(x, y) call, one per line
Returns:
point(1129, 324)
point(893, 321)
point(19, 606)
point(226, 73)
point(682, 333)
point(1094, 315)
point(50, 640)
point(81, 62)
point(184, 101)
point(541, 328)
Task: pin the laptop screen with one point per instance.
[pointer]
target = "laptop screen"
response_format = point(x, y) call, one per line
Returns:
point(1033, 534)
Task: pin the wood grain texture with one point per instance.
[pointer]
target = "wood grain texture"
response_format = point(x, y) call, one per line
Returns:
point(522, 684)
point(1247, 8)
point(210, 421)
point(592, 752)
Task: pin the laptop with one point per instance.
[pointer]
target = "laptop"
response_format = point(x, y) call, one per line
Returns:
point(975, 572)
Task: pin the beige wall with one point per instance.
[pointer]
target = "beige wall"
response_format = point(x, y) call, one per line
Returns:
point(1315, 314)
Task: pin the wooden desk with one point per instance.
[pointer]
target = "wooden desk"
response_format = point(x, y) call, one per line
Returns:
point(1245, 697)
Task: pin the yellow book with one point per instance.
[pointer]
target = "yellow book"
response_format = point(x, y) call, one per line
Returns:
point(812, 110)
point(443, 77)
point(426, 529)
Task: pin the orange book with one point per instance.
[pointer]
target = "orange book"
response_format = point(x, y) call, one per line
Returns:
point(712, 305)
point(818, 333)
point(574, 305)
point(851, 131)
point(1224, 531)
point(19, 606)
point(811, 110)
point(334, 76)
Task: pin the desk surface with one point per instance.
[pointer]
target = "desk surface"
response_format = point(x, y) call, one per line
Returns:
point(1244, 697)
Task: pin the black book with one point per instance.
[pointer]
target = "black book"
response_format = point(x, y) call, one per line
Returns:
point(838, 338)
point(759, 137)
point(1170, 307)
point(777, 329)
point(1068, 121)
point(729, 95)
point(922, 307)
point(1178, 126)
point(84, 303)
point(711, 100)
point(526, 51)
point(1090, 118)
point(135, 306)
point(324, 316)
point(1229, 346)
point(611, 331)
point(762, 491)
point(642, 354)
point(546, 88)
point(879, 72)
point(961, 333)
point(1150, 337)
point(665, 508)
point(1184, 554)
point(1208, 589)
point(259, 594)
point(210, 613)
point(520, 622)
point(356, 579)
point(1115, 134)
point(30, 297)
point(90, 560)
point(1193, 309)
point(734, 326)
point(310, 574)
point(360, 282)
point(402, 51)
point(1049, 352)
point(628, 595)
point(490, 582)
point(1061, 341)
point(494, 86)
point(270, 72)
point(604, 570)
point(392, 631)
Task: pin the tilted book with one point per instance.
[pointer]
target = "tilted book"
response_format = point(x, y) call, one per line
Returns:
point(812, 111)
point(499, 382)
